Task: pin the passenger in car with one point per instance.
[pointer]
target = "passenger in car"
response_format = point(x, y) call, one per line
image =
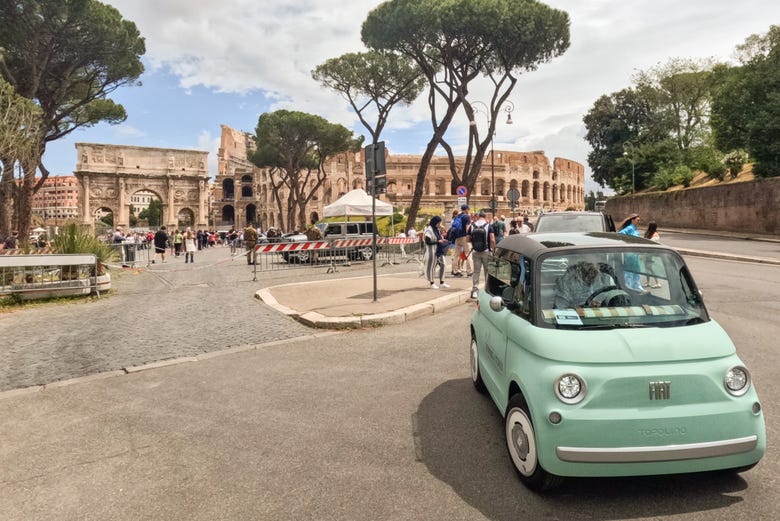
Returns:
point(580, 282)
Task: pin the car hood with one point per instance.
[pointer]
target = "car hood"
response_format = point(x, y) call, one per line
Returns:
point(635, 345)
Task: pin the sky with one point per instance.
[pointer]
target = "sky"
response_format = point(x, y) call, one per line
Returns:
point(211, 63)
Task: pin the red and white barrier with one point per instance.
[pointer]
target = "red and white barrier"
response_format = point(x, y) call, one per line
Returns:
point(400, 240)
point(351, 243)
point(291, 246)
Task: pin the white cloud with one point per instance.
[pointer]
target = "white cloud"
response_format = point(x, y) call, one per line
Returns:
point(267, 49)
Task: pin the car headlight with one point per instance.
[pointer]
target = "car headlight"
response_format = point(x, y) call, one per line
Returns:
point(570, 388)
point(737, 380)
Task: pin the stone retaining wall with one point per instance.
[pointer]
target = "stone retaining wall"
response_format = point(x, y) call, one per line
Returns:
point(750, 207)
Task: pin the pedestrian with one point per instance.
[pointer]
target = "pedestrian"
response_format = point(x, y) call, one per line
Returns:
point(482, 237)
point(527, 222)
point(160, 243)
point(435, 248)
point(232, 238)
point(313, 233)
point(499, 226)
point(118, 237)
point(631, 266)
point(190, 245)
point(653, 235)
point(250, 241)
point(11, 241)
point(177, 242)
point(513, 229)
point(457, 234)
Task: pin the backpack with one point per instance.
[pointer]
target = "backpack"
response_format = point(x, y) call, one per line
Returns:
point(479, 237)
point(456, 228)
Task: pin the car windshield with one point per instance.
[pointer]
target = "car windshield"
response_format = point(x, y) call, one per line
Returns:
point(570, 222)
point(610, 288)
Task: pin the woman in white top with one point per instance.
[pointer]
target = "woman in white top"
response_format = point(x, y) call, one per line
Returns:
point(190, 245)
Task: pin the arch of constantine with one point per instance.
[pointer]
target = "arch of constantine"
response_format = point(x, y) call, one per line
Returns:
point(244, 193)
point(109, 176)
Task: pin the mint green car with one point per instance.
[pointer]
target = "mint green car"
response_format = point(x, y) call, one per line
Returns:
point(600, 354)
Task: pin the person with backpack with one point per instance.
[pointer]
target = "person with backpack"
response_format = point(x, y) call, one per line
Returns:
point(482, 237)
point(457, 235)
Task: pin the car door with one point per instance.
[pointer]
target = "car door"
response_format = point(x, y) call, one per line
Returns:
point(506, 279)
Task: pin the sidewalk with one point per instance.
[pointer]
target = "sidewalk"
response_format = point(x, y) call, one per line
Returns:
point(349, 302)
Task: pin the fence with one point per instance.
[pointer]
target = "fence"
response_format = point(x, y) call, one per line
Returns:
point(132, 254)
point(49, 275)
point(335, 252)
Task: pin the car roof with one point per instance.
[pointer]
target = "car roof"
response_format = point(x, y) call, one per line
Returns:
point(570, 212)
point(534, 244)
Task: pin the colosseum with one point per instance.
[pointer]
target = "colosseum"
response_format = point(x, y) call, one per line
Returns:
point(244, 193)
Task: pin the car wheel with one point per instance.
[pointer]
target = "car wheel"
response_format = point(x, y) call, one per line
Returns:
point(365, 253)
point(476, 376)
point(304, 256)
point(522, 447)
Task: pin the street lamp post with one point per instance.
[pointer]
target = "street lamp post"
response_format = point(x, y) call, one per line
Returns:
point(507, 107)
point(633, 182)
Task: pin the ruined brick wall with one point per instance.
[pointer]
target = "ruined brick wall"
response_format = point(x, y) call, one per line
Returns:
point(750, 207)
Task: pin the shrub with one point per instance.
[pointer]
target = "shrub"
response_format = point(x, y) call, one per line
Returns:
point(74, 239)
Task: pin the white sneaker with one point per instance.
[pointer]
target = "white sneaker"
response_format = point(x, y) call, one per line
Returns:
point(434, 286)
point(443, 285)
point(474, 294)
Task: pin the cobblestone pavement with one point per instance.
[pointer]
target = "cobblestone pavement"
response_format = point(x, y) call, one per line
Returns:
point(172, 310)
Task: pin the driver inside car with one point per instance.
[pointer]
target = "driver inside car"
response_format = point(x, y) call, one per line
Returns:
point(581, 283)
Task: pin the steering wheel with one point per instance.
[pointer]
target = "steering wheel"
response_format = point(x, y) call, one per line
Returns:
point(592, 301)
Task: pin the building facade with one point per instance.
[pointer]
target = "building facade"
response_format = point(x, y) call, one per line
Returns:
point(244, 193)
point(57, 201)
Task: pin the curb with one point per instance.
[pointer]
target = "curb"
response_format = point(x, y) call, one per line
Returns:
point(398, 316)
point(728, 256)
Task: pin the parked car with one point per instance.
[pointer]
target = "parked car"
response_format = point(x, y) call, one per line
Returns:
point(598, 373)
point(334, 231)
point(574, 222)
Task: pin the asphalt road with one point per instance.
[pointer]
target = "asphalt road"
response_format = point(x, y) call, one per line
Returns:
point(378, 424)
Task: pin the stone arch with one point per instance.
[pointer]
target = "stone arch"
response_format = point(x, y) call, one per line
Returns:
point(251, 215)
point(247, 190)
point(500, 190)
point(484, 187)
point(185, 218)
point(228, 188)
point(535, 195)
point(229, 214)
point(108, 176)
point(104, 218)
point(546, 192)
point(525, 189)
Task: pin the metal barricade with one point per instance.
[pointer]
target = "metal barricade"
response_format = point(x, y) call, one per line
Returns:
point(55, 275)
point(330, 253)
point(133, 254)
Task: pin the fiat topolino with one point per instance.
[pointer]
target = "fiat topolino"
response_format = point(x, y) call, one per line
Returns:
point(599, 352)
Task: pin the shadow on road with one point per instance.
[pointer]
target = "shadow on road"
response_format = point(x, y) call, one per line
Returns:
point(461, 441)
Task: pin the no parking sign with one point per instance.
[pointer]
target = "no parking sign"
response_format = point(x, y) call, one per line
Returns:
point(461, 191)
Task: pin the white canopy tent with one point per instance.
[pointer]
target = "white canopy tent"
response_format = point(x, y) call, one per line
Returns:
point(356, 202)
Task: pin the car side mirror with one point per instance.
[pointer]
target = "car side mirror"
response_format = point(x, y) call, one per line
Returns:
point(496, 303)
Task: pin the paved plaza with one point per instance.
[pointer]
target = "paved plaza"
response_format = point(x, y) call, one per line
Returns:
point(171, 310)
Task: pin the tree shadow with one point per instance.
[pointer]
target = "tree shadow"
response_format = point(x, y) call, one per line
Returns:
point(460, 438)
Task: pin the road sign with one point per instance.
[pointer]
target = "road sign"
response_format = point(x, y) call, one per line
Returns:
point(513, 194)
point(461, 191)
point(462, 201)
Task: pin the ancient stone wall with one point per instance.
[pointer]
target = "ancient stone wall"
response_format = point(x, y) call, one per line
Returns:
point(749, 207)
